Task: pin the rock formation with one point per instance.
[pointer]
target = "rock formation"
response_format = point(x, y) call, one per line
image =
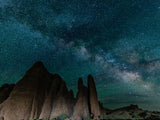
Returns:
point(42, 95)
point(5, 90)
point(25, 100)
point(63, 103)
point(81, 108)
point(132, 112)
point(93, 99)
point(58, 95)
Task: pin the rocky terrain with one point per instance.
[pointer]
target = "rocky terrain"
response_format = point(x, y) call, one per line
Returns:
point(41, 95)
point(132, 112)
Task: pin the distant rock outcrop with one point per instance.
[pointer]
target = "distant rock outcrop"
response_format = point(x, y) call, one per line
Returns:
point(132, 112)
point(42, 95)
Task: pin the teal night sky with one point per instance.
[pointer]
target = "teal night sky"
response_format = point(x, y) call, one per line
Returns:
point(117, 41)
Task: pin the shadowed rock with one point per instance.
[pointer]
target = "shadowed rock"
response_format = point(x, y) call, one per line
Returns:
point(28, 95)
point(35, 95)
point(5, 91)
point(63, 103)
point(41, 95)
point(93, 99)
point(81, 108)
point(49, 100)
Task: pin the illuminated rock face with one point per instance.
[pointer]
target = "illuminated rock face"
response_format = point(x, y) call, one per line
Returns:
point(93, 99)
point(81, 107)
point(40, 94)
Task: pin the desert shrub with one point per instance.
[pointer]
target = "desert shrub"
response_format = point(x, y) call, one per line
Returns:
point(62, 117)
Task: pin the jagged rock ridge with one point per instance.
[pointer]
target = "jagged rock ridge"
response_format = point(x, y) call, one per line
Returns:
point(41, 95)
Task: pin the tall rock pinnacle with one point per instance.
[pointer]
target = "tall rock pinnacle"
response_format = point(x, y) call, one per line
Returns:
point(81, 108)
point(93, 99)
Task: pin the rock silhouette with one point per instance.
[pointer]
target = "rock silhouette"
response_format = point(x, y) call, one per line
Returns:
point(42, 95)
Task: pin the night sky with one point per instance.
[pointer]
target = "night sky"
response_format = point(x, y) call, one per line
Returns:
point(117, 41)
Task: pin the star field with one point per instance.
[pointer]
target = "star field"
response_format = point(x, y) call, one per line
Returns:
point(116, 41)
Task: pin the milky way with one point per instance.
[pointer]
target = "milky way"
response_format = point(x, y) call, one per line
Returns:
point(117, 41)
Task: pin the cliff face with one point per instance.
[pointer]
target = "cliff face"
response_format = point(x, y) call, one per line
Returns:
point(42, 95)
